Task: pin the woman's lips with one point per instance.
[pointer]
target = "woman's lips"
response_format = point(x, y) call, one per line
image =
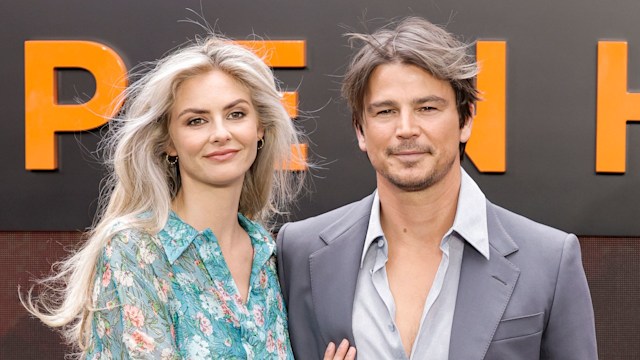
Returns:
point(222, 155)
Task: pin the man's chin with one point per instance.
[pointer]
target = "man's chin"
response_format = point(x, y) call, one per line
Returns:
point(412, 184)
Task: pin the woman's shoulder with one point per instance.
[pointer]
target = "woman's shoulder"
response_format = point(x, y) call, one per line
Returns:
point(131, 230)
point(129, 242)
point(130, 236)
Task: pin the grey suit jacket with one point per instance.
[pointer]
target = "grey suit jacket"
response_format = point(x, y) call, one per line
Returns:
point(530, 300)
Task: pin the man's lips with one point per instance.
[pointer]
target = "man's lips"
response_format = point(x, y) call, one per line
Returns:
point(408, 152)
point(409, 149)
point(409, 156)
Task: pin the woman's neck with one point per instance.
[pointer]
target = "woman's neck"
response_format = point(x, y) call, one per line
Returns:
point(209, 207)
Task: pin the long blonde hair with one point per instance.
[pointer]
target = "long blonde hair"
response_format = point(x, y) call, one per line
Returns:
point(141, 181)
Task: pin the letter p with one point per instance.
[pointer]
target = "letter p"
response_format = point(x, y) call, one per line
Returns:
point(44, 117)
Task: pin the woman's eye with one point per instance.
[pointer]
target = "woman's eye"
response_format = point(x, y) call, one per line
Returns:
point(236, 115)
point(196, 121)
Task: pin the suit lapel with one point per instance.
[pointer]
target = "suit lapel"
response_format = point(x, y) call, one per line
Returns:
point(334, 272)
point(484, 291)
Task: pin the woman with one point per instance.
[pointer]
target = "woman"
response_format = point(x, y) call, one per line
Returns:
point(179, 265)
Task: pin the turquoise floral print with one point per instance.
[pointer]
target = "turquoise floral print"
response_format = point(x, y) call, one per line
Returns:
point(171, 296)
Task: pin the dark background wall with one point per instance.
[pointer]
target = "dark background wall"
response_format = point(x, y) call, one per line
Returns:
point(551, 124)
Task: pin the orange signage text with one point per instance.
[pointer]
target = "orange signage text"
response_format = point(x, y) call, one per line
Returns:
point(615, 107)
point(487, 146)
point(284, 54)
point(44, 117)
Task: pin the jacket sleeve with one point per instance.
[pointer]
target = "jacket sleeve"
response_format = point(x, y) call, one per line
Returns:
point(281, 259)
point(570, 332)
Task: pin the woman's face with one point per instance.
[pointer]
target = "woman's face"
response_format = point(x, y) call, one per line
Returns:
point(214, 130)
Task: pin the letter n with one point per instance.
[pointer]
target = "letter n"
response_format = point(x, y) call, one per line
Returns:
point(487, 146)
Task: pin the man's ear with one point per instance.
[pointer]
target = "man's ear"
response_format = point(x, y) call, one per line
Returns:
point(360, 134)
point(465, 131)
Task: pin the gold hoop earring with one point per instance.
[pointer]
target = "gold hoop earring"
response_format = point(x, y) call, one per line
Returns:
point(172, 160)
point(260, 143)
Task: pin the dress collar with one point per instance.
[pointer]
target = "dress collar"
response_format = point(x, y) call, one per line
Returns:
point(177, 235)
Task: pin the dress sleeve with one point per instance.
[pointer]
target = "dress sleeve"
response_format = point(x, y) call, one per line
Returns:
point(131, 318)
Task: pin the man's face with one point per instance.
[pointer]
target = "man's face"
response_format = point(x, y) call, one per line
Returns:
point(411, 130)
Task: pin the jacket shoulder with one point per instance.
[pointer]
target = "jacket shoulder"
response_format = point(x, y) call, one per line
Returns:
point(536, 243)
point(306, 233)
point(316, 224)
point(513, 223)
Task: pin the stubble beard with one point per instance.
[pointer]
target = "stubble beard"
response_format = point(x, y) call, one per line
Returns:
point(429, 179)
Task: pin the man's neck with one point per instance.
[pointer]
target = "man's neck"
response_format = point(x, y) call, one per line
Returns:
point(416, 217)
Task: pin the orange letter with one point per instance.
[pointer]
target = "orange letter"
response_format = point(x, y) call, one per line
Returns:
point(278, 53)
point(615, 107)
point(43, 116)
point(487, 146)
point(281, 54)
point(298, 161)
point(285, 54)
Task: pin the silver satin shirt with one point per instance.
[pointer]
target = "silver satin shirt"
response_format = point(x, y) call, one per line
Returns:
point(375, 333)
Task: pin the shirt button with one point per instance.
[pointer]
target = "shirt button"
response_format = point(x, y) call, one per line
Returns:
point(392, 328)
point(380, 243)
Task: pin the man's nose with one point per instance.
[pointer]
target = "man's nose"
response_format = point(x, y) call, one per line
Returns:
point(407, 126)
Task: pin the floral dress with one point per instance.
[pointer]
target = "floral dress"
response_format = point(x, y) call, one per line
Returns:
point(171, 296)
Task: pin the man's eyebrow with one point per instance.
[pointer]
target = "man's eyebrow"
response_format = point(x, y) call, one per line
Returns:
point(379, 104)
point(430, 99)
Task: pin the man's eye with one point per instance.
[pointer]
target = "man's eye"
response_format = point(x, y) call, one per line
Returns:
point(236, 115)
point(427, 108)
point(384, 112)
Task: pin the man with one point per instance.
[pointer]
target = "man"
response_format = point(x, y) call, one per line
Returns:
point(426, 267)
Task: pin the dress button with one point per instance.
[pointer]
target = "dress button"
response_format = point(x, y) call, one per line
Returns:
point(380, 243)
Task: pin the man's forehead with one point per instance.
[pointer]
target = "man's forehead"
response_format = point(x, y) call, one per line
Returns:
point(395, 74)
